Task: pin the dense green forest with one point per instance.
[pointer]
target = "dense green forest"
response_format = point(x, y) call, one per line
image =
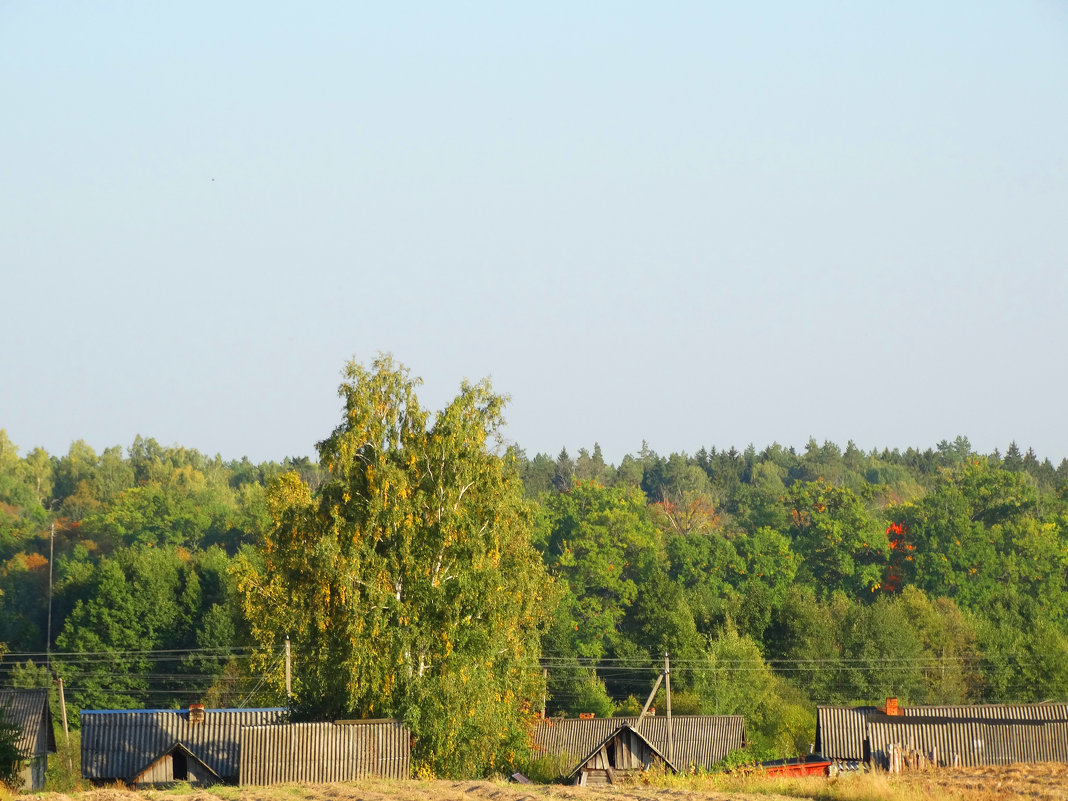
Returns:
point(775, 578)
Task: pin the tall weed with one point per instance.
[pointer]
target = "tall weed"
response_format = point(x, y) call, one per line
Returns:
point(64, 771)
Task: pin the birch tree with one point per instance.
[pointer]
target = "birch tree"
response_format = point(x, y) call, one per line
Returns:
point(407, 582)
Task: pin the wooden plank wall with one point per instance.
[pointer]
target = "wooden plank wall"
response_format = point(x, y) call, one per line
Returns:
point(316, 753)
point(971, 742)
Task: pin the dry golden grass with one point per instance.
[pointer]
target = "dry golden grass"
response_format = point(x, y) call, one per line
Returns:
point(1012, 783)
point(1046, 781)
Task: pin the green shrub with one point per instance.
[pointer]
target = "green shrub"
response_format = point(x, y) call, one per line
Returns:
point(548, 767)
point(10, 757)
point(629, 708)
point(64, 772)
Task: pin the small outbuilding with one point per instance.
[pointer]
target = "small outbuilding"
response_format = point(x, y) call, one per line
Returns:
point(696, 741)
point(28, 711)
point(622, 752)
point(157, 746)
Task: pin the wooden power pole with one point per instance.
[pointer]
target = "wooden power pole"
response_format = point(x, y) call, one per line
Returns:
point(63, 710)
point(544, 690)
point(289, 677)
point(667, 692)
point(648, 702)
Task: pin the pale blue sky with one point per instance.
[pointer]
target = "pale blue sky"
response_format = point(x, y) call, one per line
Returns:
point(690, 223)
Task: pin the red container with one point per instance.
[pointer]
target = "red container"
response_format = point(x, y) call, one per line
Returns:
point(797, 768)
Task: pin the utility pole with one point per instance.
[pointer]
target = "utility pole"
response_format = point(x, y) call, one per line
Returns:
point(63, 710)
point(648, 703)
point(66, 731)
point(48, 634)
point(289, 677)
point(544, 690)
point(667, 692)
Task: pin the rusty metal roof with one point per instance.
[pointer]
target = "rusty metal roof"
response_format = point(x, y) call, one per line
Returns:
point(28, 711)
point(121, 744)
point(699, 740)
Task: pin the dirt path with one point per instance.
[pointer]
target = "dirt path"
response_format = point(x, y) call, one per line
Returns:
point(1044, 782)
point(415, 791)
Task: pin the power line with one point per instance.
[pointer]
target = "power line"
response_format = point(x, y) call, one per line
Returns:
point(219, 649)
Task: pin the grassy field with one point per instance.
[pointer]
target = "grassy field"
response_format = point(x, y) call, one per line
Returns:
point(1045, 782)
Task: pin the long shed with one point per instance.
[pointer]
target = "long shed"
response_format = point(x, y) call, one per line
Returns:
point(983, 734)
point(700, 741)
point(316, 753)
point(968, 740)
point(28, 711)
point(156, 746)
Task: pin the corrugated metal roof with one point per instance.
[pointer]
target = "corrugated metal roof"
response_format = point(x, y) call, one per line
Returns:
point(318, 753)
point(699, 740)
point(992, 711)
point(120, 744)
point(970, 741)
point(840, 731)
point(28, 710)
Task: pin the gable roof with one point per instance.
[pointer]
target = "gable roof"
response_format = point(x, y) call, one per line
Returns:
point(121, 744)
point(28, 711)
point(700, 740)
point(626, 727)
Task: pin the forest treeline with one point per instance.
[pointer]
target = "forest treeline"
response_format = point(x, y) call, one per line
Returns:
point(774, 578)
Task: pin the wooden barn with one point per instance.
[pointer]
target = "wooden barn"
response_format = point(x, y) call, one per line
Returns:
point(157, 746)
point(697, 741)
point(625, 751)
point(900, 741)
point(28, 711)
point(985, 734)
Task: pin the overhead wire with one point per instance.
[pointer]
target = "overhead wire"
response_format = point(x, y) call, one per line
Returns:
point(624, 673)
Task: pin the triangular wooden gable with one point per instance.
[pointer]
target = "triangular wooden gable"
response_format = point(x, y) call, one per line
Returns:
point(628, 729)
point(178, 746)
